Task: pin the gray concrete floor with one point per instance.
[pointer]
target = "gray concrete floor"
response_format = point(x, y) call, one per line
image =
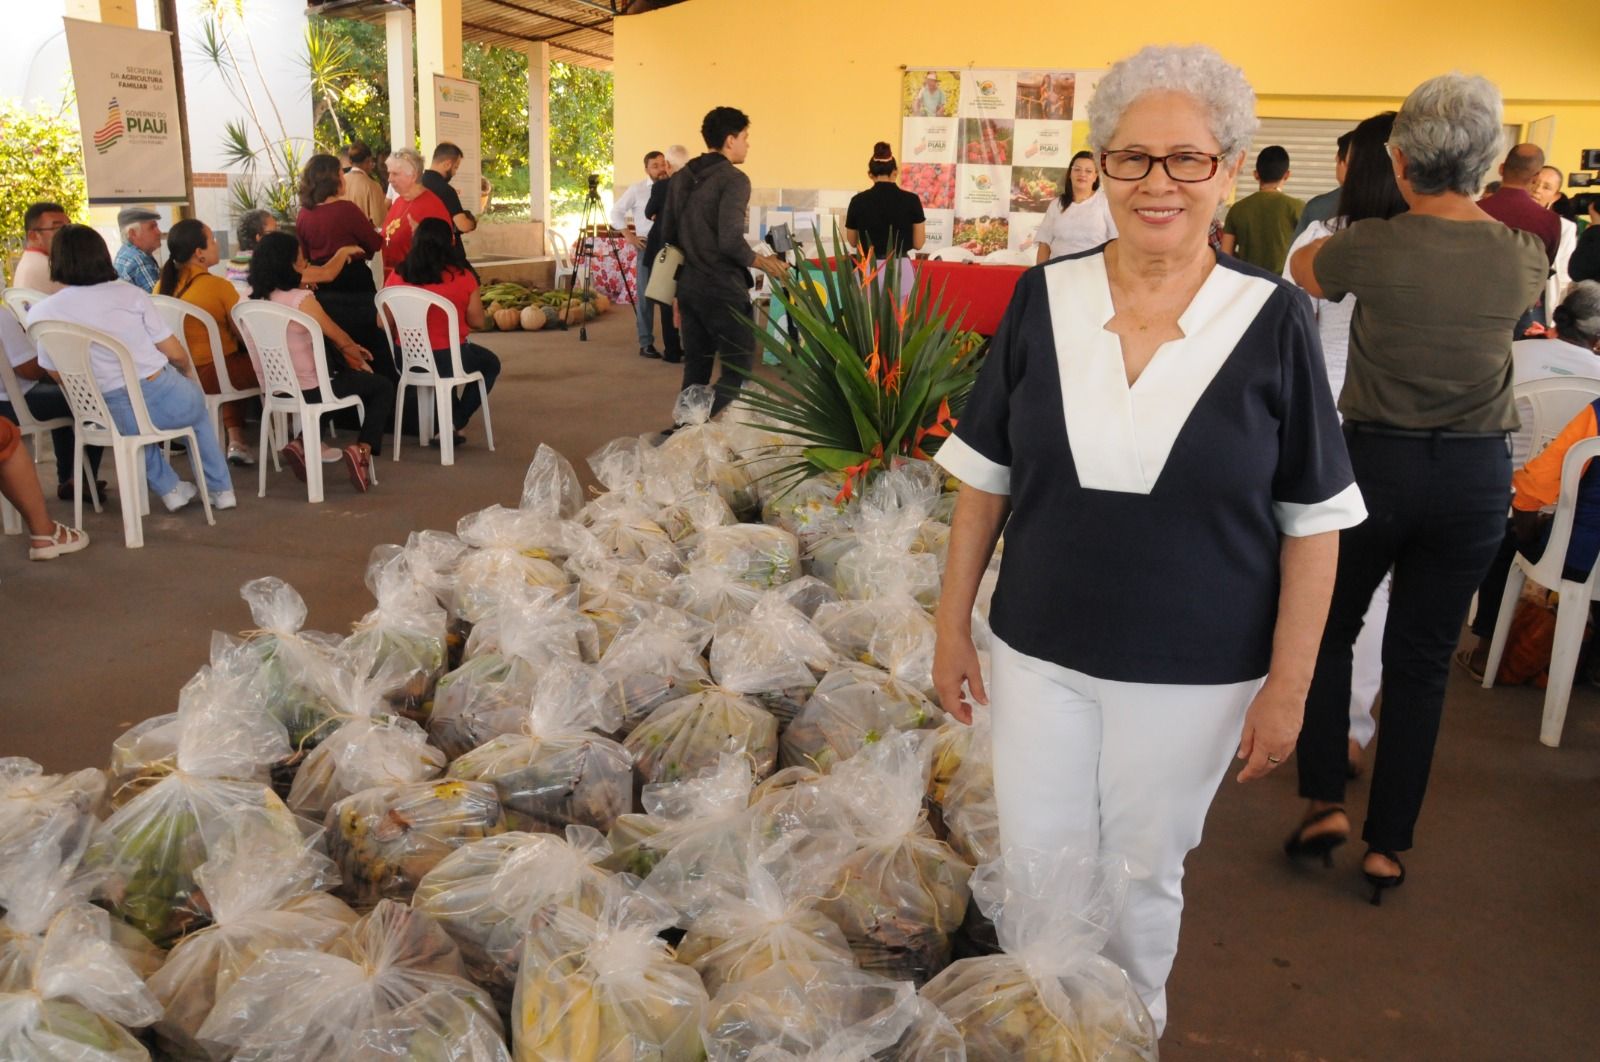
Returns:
point(1490, 951)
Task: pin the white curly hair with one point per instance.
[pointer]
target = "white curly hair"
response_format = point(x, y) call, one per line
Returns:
point(1194, 70)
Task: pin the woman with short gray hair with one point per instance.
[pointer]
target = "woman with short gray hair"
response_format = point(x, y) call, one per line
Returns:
point(412, 203)
point(1427, 406)
point(1154, 432)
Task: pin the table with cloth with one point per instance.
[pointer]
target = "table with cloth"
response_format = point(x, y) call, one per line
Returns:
point(605, 276)
point(977, 294)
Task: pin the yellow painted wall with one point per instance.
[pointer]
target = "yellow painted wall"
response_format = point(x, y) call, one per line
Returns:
point(820, 78)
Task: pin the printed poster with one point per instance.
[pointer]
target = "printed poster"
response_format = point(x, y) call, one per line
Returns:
point(987, 150)
point(455, 110)
point(127, 112)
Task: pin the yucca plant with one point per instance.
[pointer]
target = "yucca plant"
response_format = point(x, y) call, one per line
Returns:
point(866, 374)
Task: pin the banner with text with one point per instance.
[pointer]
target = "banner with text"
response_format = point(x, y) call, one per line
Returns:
point(128, 113)
point(987, 150)
point(455, 109)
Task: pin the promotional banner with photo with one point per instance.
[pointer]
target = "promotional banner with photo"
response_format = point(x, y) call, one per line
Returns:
point(128, 112)
point(455, 109)
point(987, 150)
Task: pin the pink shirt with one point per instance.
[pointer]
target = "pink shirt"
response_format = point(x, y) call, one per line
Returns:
point(301, 352)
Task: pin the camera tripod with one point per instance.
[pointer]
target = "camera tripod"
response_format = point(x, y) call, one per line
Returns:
point(583, 259)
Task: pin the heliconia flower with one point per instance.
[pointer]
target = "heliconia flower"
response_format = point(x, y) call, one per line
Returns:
point(891, 379)
point(857, 471)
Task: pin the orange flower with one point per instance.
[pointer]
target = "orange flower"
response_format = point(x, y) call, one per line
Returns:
point(943, 424)
point(858, 471)
point(891, 379)
point(863, 266)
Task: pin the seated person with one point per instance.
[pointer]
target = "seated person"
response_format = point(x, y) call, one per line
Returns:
point(252, 226)
point(437, 264)
point(47, 539)
point(93, 296)
point(276, 275)
point(45, 400)
point(191, 252)
point(1561, 351)
point(1537, 486)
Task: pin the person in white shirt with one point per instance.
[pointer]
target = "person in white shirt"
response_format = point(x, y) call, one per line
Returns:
point(631, 203)
point(41, 222)
point(43, 399)
point(93, 296)
point(1545, 190)
point(1079, 220)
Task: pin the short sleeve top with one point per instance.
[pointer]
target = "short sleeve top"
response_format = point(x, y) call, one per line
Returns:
point(435, 182)
point(1080, 227)
point(1437, 302)
point(301, 352)
point(18, 351)
point(216, 296)
point(884, 215)
point(458, 286)
point(398, 227)
point(1144, 536)
point(118, 309)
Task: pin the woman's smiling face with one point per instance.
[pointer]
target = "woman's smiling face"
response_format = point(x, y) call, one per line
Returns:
point(1156, 214)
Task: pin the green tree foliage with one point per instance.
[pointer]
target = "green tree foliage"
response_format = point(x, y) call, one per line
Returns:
point(580, 132)
point(502, 77)
point(41, 159)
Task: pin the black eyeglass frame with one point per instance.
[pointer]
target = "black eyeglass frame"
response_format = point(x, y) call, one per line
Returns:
point(1150, 164)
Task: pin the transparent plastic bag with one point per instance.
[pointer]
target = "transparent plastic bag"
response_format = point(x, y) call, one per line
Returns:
point(43, 815)
point(701, 453)
point(892, 557)
point(891, 633)
point(853, 706)
point(386, 839)
point(901, 893)
point(291, 660)
point(1051, 995)
point(264, 892)
point(811, 509)
point(649, 665)
point(688, 736)
point(678, 812)
point(971, 818)
point(697, 511)
point(757, 555)
point(776, 657)
point(625, 526)
point(510, 548)
point(713, 594)
point(807, 595)
point(80, 995)
point(434, 557)
point(811, 1011)
point(558, 771)
point(550, 489)
point(486, 893)
point(405, 634)
point(393, 975)
point(605, 987)
point(537, 624)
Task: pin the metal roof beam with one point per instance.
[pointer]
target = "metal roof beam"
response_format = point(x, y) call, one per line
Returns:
point(602, 26)
point(481, 28)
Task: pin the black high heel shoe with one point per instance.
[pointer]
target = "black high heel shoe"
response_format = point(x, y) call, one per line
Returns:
point(1322, 845)
point(1380, 882)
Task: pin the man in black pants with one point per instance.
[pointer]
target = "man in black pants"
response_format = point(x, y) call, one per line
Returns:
point(654, 212)
point(707, 204)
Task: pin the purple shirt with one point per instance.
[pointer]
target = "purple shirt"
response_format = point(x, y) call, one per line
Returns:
point(1516, 208)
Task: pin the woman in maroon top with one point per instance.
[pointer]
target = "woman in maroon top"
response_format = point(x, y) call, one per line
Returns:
point(413, 202)
point(325, 225)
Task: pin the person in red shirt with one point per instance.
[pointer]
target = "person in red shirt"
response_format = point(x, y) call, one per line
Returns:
point(437, 264)
point(1513, 205)
point(412, 203)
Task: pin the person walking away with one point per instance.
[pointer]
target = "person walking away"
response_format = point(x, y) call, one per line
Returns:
point(708, 207)
point(1513, 204)
point(1079, 219)
point(1325, 206)
point(654, 209)
point(631, 203)
point(437, 177)
point(141, 236)
point(40, 223)
point(1261, 225)
point(1427, 403)
point(885, 221)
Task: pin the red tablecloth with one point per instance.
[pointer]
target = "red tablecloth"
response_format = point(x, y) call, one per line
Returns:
point(607, 279)
point(977, 294)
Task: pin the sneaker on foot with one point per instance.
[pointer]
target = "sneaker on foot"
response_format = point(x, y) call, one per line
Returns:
point(649, 352)
point(224, 499)
point(179, 496)
point(356, 463)
point(294, 455)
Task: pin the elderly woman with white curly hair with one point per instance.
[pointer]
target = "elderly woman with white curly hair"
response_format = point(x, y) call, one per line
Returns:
point(1427, 403)
point(1154, 432)
point(412, 203)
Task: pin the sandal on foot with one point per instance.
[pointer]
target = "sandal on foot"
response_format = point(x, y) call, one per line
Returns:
point(1464, 661)
point(356, 463)
point(62, 539)
point(1319, 845)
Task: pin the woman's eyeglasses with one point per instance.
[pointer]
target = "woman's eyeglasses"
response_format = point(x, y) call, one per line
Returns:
point(1188, 167)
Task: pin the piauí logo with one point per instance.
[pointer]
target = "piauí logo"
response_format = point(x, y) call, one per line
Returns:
point(981, 181)
point(113, 129)
point(986, 88)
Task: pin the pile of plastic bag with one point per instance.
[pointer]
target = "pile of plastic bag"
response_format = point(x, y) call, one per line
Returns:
point(653, 774)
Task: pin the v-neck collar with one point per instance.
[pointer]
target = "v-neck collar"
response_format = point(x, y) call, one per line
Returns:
point(1120, 434)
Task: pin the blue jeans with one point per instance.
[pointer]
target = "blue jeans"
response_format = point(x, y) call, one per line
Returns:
point(644, 310)
point(174, 401)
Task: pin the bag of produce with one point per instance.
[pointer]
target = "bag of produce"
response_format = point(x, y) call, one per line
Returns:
point(291, 661)
point(807, 595)
point(79, 999)
point(486, 893)
point(42, 814)
point(559, 771)
point(775, 657)
point(757, 555)
point(535, 623)
point(384, 840)
point(625, 526)
point(891, 633)
point(264, 890)
point(632, 466)
point(701, 453)
point(405, 633)
point(811, 509)
point(510, 547)
point(821, 1011)
point(433, 558)
point(901, 893)
point(714, 594)
point(550, 488)
point(370, 747)
point(688, 736)
point(695, 512)
point(1052, 995)
point(853, 706)
point(605, 986)
point(676, 812)
point(971, 819)
point(649, 665)
point(390, 987)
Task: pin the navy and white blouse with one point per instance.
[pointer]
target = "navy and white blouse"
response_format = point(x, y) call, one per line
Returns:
point(1143, 542)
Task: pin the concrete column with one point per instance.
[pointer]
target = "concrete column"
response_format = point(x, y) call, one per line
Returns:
point(438, 52)
point(539, 136)
point(402, 80)
point(111, 12)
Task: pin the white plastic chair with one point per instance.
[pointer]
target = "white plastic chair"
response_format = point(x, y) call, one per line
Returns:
point(35, 431)
point(1572, 614)
point(953, 254)
point(20, 300)
point(175, 312)
point(564, 266)
point(264, 326)
point(407, 310)
point(72, 348)
point(1545, 407)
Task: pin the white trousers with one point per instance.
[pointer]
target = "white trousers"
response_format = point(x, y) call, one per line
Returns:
point(1124, 768)
point(1366, 669)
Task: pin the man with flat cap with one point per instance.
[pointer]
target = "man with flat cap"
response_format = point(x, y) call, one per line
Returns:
point(141, 236)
